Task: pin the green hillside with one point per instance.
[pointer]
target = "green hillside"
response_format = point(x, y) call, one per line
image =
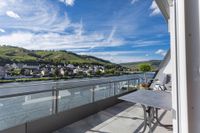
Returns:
point(134, 65)
point(10, 54)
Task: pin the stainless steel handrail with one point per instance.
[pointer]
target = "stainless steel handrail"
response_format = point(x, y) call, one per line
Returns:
point(71, 81)
point(58, 88)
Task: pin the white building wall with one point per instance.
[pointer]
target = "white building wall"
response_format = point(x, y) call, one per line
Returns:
point(192, 37)
point(173, 50)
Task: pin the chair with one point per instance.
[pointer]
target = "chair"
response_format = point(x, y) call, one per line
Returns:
point(165, 85)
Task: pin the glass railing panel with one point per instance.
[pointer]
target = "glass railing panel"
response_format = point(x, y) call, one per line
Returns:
point(121, 87)
point(18, 110)
point(103, 91)
point(74, 97)
point(61, 97)
point(133, 84)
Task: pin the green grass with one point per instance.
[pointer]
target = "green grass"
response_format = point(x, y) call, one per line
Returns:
point(10, 54)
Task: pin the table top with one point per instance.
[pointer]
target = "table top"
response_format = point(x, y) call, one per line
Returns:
point(157, 99)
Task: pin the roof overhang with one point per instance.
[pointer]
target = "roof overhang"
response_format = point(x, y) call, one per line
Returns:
point(164, 7)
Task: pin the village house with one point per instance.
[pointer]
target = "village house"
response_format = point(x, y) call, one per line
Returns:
point(2, 72)
point(70, 66)
point(44, 72)
point(62, 71)
point(25, 66)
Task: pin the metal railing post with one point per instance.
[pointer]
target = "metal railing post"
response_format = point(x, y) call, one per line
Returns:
point(114, 88)
point(53, 101)
point(137, 83)
point(110, 88)
point(93, 94)
point(56, 100)
point(140, 81)
point(134, 82)
point(55, 95)
point(128, 85)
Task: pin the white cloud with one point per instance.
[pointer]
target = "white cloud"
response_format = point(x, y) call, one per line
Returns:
point(161, 52)
point(146, 43)
point(2, 30)
point(12, 14)
point(134, 1)
point(111, 39)
point(15, 39)
point(57, 41)
point(113, 53)
point(119, 56)
point(44, 27)
point(79, 30)
point(155, 9)
point(38, 16)
point(126, 59)
point(78, 50)
point(68, 2)
point(2, 4)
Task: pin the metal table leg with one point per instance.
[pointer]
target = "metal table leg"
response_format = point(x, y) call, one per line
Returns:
point(145, 119)
point(150, 118)
point(156, 117)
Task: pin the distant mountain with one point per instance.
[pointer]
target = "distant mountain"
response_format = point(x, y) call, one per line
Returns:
point(10, 54)
point(134, 65)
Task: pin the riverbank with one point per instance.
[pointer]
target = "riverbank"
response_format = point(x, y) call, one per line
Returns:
point(63, 78)
point(54, 78)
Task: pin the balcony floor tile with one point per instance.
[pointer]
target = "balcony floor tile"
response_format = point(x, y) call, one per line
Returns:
point(122, 118)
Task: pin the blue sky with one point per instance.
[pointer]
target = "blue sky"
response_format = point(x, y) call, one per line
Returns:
point(115, 30)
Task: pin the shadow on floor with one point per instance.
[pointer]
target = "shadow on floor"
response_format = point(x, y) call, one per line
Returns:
point(92, 121)
point(100, 120)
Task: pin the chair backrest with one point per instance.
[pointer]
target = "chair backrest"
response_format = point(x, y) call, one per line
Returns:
point(164, 85)
point(167, 79)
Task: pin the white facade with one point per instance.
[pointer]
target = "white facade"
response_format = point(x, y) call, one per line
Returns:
point(192, 46)
point(184, 27)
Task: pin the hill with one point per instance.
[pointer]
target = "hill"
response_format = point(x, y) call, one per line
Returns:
point(134, 65)
point(10, 54)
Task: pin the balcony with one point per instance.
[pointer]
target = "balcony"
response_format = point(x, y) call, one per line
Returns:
point(53, 105)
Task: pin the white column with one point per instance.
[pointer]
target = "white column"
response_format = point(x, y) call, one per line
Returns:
point(180, 97)
point(192, 15)
point(173, 60)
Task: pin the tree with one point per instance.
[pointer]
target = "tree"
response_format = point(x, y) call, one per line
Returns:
point(145, 68)
point(98, 73)
point(15, 72)
point(56, 72)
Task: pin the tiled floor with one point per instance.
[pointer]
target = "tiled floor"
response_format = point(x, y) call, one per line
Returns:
point(122, 118)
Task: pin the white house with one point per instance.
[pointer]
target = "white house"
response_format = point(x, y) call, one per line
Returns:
point(70, 66)
point(62, 71)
